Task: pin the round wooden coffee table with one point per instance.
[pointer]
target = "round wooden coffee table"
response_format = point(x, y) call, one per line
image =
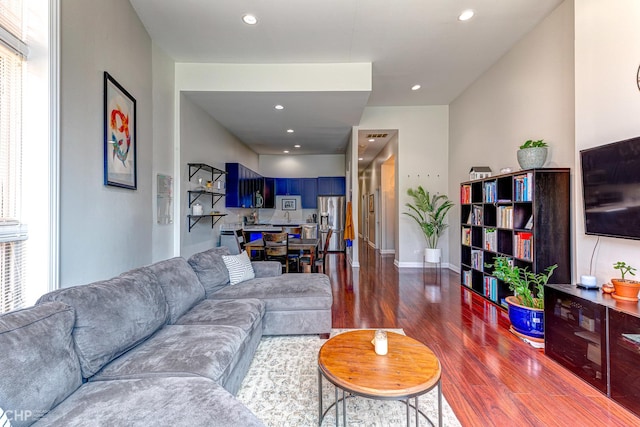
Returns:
point(408, 370)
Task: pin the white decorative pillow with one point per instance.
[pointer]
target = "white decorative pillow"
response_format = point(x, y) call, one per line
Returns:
point(239, 267)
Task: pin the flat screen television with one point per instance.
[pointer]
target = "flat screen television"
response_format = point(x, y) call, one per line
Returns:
point(611, 189)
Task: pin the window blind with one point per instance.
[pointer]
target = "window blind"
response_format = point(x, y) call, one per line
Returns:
point(13, 234)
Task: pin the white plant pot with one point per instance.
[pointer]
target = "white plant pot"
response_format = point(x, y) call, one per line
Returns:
point(433, 255)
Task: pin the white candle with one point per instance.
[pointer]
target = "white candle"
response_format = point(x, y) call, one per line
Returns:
point(381, 342)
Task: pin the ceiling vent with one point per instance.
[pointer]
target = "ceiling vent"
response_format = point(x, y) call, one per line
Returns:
point(377, 135)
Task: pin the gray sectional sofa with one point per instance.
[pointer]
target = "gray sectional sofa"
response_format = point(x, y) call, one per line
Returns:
point(166, 344)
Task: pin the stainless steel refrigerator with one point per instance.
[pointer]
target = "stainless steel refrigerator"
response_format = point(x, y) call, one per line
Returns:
point(331, 212)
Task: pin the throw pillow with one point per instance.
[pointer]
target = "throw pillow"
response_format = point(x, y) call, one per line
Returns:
point(239, 267)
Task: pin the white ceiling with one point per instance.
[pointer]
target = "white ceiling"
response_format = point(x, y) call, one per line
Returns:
point(407, 41)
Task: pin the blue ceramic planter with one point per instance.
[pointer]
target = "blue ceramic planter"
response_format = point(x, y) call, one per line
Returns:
point(525, 320)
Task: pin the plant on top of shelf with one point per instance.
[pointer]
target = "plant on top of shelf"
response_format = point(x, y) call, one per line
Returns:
point(521, 281)
point(429, 211)
point(534, 143)
point(532, 154)
point(625, 289)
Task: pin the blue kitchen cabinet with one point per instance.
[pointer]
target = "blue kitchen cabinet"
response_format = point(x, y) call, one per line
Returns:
point(309, 199)
point(331, 186)
point(288, 186)
point(242, 186)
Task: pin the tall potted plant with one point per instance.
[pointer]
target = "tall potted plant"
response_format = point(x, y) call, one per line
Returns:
point(429, 211)
point(526, 309)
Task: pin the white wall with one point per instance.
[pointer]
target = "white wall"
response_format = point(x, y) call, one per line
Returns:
point(423, 135)
point(163, 159)
point(103, 230)
point(204, 140)
point(607, 42)
point(527, 94)
point(301, 166)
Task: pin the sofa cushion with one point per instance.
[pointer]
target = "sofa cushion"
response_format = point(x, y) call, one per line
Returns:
point(291, 291)
point(39, 367)
point(267, 268)
point(170, 402)
point(239, 267)
point(180, 350)
point(210, 269)
point(180, 285)
point(113, 315)
point(243, 313)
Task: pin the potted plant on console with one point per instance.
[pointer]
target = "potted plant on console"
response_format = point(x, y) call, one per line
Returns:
point(526, 309)
point(625, 289)
point(429, 211)
point(532, 154)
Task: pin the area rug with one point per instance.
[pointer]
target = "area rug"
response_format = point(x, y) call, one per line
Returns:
point(281, 388)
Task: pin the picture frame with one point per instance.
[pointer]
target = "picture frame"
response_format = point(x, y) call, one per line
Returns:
point(120, 139)
point(370, 202)
point(288, 204)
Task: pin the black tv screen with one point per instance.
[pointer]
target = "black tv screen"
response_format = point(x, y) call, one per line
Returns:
point(611, 189)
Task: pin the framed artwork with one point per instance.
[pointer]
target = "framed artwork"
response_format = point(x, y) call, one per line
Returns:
point(120, 141)
point(288, 204)
point(370, 202)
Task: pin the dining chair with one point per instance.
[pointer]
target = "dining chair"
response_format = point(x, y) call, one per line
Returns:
point(294, 255)
point(276, 248)
point(320, 261)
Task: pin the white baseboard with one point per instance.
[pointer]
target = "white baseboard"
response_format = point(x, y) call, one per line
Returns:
point(412, 264)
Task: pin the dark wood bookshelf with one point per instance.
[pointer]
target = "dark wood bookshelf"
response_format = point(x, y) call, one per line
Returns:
point(530, 212)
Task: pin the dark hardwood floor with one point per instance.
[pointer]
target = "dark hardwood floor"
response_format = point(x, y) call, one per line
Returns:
point(490, 377)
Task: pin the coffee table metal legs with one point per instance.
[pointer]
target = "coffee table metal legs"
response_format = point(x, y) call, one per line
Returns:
point(343, 399)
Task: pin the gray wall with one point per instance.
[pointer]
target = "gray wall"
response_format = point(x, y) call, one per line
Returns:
point(103, 230)
point(528, 94)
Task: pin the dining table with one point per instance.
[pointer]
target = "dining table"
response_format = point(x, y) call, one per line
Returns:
point(309, 246)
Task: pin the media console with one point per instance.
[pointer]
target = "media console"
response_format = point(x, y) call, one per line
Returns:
point(597, 338)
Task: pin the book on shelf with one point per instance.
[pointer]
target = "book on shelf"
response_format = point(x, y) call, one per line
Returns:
point(522, 186)
point(476, 218)
point(529, 224)
point(490, 192)
point(466, 278)
point(491, 239)
point(523, 245)
point(466, 236)
point(491, 288)
point(476, 259)
point(505, 217)
point(465, 194)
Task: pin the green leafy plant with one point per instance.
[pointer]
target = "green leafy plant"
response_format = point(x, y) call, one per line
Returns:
point(429, 211)
point(521, 281)
point(624, 268)
point(534, 144)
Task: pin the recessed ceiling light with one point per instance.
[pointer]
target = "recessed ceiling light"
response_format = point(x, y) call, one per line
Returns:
point(466, 15)
point(415, 87)
point(249, 19)
point(296, 146)
point(279, 107)
point(372, 140)
point(286, 151)
point(289, 130)
point(360, 158)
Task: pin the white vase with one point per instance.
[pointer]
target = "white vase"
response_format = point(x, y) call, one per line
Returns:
point(432, 255)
